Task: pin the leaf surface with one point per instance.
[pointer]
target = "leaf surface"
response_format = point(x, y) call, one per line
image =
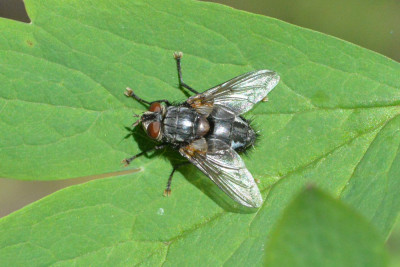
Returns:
point(332, 121)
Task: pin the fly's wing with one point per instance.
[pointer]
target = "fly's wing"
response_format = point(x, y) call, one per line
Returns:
point(225, 167)
point(241, 93)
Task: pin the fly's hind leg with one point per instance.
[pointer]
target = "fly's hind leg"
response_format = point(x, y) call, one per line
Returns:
point(178, 56)
point(167, 191)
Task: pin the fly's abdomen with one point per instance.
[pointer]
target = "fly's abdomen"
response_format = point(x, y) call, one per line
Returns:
point(242, 134)
point(231, 129)
point(183, 124)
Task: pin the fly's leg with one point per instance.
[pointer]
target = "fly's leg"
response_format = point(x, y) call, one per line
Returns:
point(128, 160)
point(178, 56)
point(167, 191)
point(129, 93)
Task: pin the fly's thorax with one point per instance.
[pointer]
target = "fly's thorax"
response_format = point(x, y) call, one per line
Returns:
point(184, 124)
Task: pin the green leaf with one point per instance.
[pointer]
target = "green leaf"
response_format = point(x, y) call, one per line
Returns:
point(332, 121)
point(393, 244)
point(317, 230)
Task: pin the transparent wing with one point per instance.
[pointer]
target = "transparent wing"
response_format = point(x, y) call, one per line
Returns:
point(241, 93)
point(225, 168)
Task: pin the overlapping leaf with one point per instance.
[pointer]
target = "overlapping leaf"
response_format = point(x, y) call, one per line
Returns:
point(316, 230)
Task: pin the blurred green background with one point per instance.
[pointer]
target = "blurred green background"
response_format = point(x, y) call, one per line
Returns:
point(371, 24)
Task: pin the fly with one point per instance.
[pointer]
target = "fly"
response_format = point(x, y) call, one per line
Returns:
point(208, 130)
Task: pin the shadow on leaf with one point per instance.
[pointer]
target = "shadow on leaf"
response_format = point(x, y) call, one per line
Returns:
point(190, 172)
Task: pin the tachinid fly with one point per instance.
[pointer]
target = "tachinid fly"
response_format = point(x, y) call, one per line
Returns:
point(209, 131)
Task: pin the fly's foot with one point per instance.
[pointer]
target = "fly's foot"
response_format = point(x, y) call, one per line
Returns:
point(126, 162)
point(128, 92)
point(257, 180)
point(178, 55)
point(167, 192)
point(265, 99)
point(136, 123)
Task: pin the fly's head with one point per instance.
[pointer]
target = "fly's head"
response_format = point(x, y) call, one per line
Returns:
point(151, 120)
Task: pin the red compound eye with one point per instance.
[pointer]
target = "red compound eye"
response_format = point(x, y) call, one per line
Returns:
point(153, 130)
point(155, 107)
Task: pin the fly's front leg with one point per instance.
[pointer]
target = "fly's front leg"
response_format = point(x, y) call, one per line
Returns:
point(128, 160)
point(167, 191)
point(129, 93)
point(178, 56)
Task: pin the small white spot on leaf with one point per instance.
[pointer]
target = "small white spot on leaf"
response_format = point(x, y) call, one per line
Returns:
point(160, 211)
